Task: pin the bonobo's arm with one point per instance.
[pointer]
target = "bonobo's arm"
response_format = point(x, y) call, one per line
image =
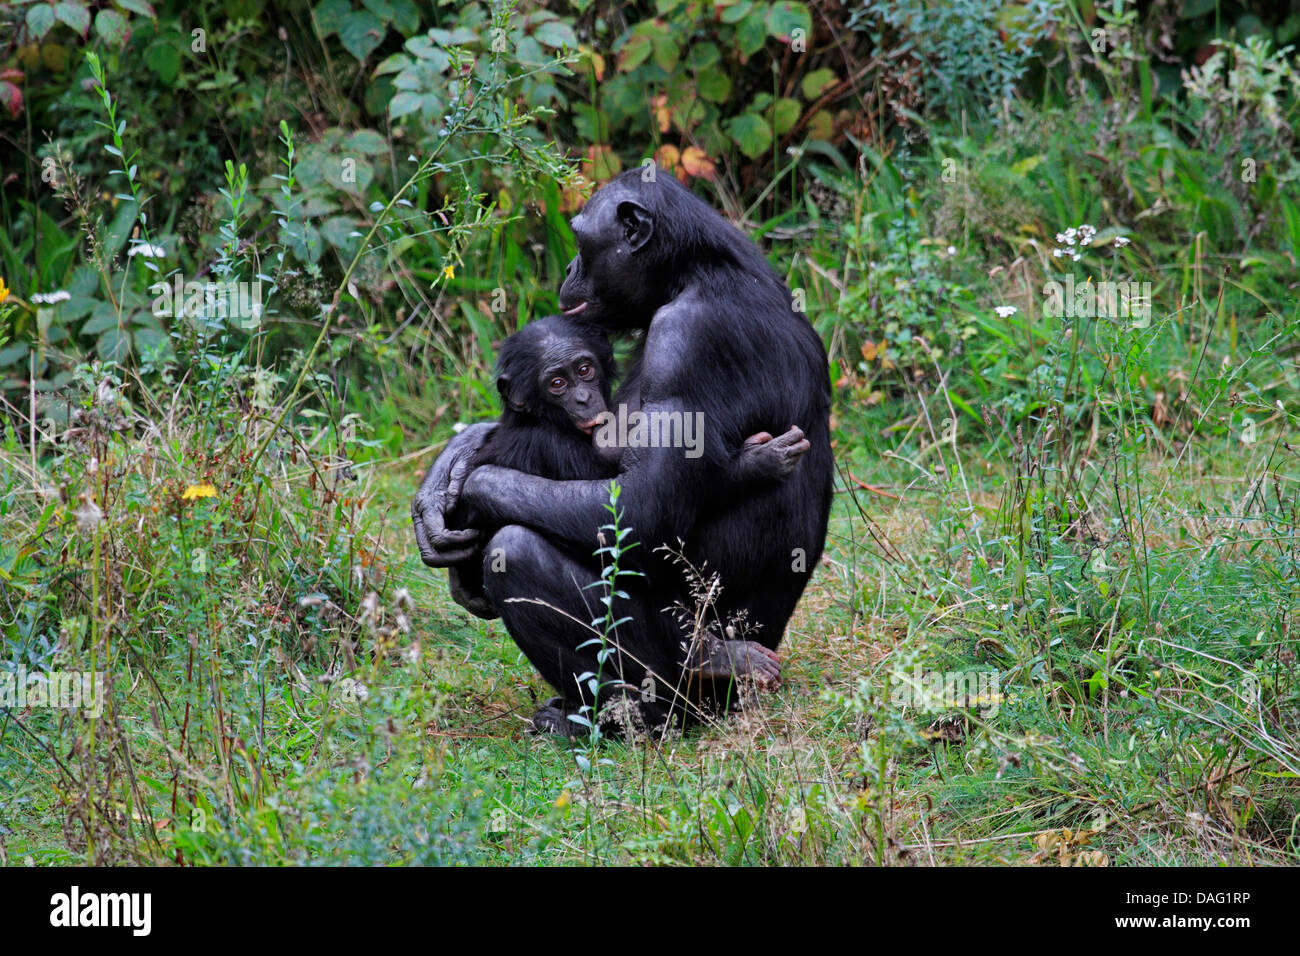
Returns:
point(439, 493)
point(761, 458)
point(662, 492)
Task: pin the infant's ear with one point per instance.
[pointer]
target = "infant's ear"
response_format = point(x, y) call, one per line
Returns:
point(509, 396)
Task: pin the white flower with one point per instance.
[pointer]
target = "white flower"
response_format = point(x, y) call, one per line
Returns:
point(1057, 253)
point(952, 250)
point(89, 514)
point(1005, 311)
point(50, 298)
point(1121, 241)
point(144, 249)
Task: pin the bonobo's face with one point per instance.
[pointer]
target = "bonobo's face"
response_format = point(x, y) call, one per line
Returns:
point(607, 283)
point(557, 371)
point(569, 379)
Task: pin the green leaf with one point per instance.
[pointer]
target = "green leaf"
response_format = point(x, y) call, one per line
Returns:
point(77, 307)
point(393, 63)
point(138, 6)
point(40, 18)
point(556, 34)
point(737, 11)
point(111, 25)
point(634, 52)
point(785, 17)
point(702, 55)
point(164, 58)
point(113, 345)
point(752, 134)
point(785, 114)
point(78, 18)
point(666, 54)
point(338, 230)
point(149, 339)
point(366, 141)
point(103, 317)
point(816, 82)
point(10, 356)
point(713, 85)
point(330, 15)
point(361, 33)
point(425, 49)
point(405, 16)
point(363, 172)
point(120, 229)
point(751, 34)
point(529, 52)
point(404, 103)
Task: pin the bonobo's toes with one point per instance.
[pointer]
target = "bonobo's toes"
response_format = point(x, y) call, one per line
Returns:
point(763, 666)
point(553, 719)
point(737, 660)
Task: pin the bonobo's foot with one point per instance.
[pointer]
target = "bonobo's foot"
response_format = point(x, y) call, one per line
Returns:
point(763, 456)
point(553, 719)
point(717, 659)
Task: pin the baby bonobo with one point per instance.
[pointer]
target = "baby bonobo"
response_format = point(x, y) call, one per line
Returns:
point(554, 376)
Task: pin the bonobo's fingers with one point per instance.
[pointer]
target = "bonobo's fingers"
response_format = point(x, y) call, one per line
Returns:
point(554, 719)
point(471, 599)
point(439, 545)
point(722, 660)
point(763, 456)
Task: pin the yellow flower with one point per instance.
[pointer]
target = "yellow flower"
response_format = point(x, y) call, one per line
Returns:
point(563, 800)
point(199, 491)
point(4, 290)
point(449, 272)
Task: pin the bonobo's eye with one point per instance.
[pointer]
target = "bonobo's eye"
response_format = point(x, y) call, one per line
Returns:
point(586, 371)
point(557, 384)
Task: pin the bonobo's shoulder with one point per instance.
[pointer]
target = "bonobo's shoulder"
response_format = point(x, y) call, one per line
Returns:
point(681, 321)
point(674, 335)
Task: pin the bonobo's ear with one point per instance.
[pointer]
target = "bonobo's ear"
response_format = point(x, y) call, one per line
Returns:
point(638, 225)
point(503, 386)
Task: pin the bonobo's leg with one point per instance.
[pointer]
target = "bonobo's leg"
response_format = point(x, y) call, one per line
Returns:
point(539, 590)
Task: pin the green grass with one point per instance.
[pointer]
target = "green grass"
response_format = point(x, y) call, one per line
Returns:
point(1126, 726)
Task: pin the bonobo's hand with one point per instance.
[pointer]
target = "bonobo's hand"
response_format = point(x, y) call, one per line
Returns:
point(763, 456)
point(470, 596)
point(441, 547)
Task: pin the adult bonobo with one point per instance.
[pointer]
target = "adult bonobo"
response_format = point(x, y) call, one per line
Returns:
point(722, 342)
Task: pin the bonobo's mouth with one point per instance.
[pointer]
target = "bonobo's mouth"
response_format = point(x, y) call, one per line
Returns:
point(577, 308)
point(588, 426)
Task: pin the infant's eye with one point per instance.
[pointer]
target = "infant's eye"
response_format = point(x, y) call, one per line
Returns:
point(557, 384)
point(585, 370)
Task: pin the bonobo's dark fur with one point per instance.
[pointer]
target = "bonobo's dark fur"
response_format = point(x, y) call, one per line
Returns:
point(721, 338)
